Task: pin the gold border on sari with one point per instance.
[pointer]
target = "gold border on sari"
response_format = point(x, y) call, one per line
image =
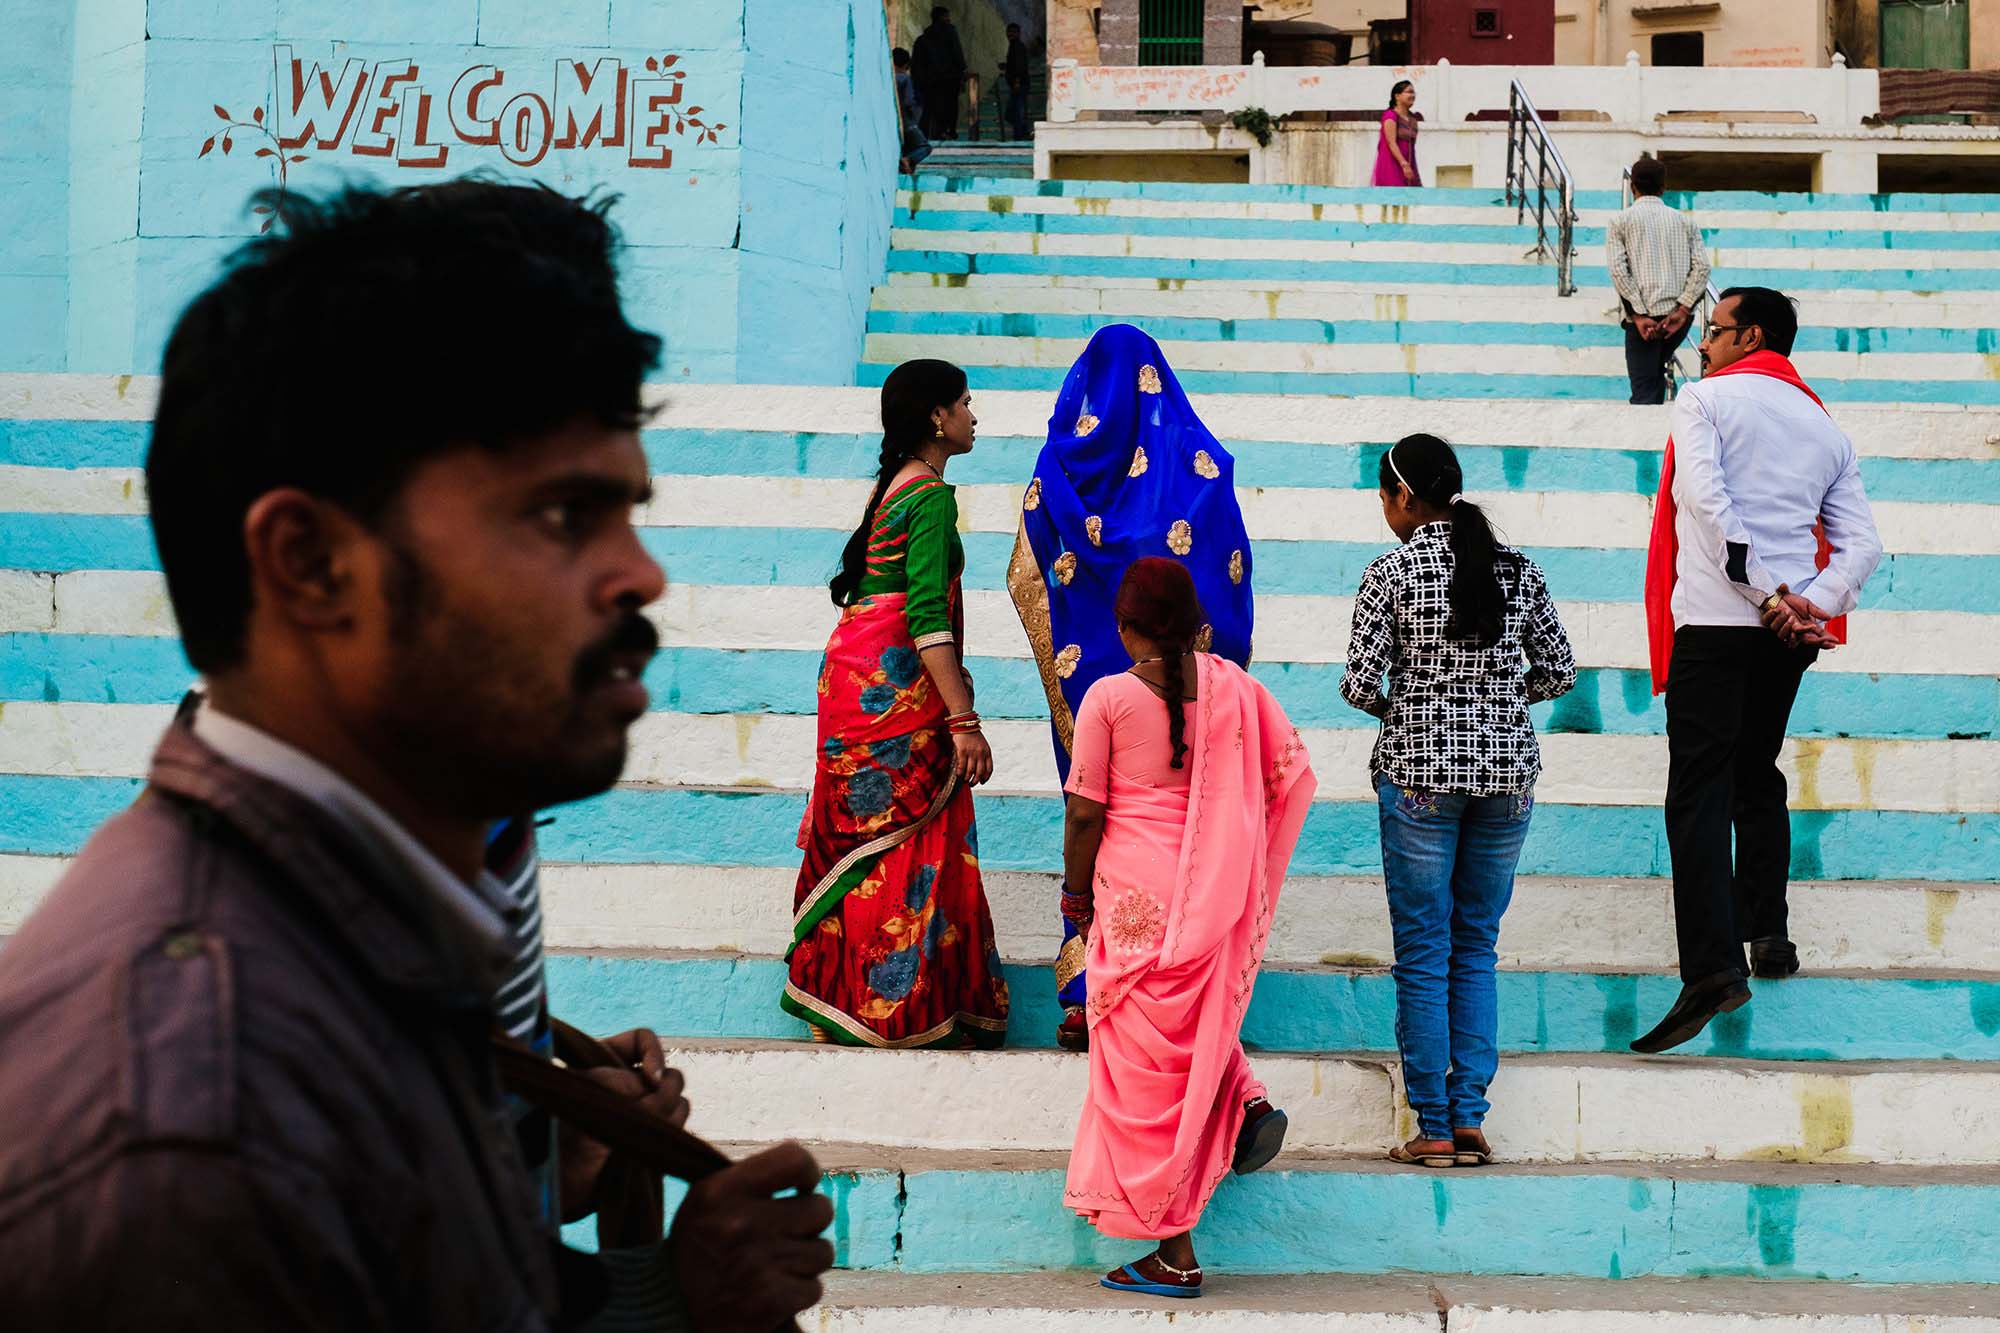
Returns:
point(869, 848)
point(1031, 601)
point(868, 1037)
point(1069, 961)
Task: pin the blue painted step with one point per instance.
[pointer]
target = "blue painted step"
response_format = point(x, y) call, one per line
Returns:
point(1803, 1018)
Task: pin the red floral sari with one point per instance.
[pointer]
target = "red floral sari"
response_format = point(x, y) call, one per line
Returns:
point(892, 940)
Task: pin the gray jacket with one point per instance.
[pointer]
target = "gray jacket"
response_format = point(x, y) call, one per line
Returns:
point(245, 1080)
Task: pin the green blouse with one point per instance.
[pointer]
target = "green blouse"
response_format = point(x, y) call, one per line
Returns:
point(914, 548)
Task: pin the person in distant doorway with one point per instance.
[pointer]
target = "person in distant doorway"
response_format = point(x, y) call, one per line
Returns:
point(1396, 153)
point(910, 111)
point(1186, 797)
point(1015, 75)
point(1467, 636)
point(1762, 537)
point(937, 63)
point(1660, 268)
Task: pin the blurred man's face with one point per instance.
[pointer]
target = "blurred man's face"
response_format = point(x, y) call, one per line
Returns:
point(506, 647)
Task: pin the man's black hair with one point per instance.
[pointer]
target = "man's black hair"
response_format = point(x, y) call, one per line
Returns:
point(1649, 176)
point(1772, 311)
point(900, 58)
point(940, 12)
point(369, 332)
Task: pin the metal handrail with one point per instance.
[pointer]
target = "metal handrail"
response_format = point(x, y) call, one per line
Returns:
point(1526, 133)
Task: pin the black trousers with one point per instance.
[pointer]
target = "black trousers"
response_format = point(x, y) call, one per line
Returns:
point(1646, 362)
point(1729, 694)
point(940, 99)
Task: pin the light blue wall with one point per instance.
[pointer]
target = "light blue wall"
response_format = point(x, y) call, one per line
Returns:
point(752, 256)
point(35, 58)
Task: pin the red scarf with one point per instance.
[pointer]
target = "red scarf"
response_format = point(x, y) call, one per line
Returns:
point(1663, 551)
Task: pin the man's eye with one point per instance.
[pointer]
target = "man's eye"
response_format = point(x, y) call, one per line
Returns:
point(564, 518)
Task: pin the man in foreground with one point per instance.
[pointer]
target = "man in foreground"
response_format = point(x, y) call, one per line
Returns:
point(1660, 268)
point(1762, 538)
point(244, 1044)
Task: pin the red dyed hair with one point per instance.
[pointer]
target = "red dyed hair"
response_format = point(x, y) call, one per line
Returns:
point(1157, 599)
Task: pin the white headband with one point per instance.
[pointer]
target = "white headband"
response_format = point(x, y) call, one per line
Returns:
point(1397, 472)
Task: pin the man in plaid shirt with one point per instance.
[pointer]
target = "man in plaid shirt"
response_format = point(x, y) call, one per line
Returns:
point(1660, 269)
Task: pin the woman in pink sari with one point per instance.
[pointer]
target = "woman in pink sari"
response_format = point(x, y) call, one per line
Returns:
point(1183, 742)
point(1396, 150)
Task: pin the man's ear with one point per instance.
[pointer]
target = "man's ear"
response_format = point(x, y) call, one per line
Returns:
point(303, 553)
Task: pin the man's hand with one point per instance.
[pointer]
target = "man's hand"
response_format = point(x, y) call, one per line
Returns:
point(1676, 320)
point(1649, 328)
point(1796, 620)
point(747, 1260)
point(646, 1080)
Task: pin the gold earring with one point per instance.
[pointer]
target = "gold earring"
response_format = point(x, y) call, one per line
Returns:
point(940, 432)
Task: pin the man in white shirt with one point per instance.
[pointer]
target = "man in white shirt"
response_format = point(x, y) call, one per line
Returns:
point(1756, 472)
point(1660, 268)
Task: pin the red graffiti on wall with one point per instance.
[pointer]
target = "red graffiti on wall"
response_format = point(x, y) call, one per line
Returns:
point(388, 109)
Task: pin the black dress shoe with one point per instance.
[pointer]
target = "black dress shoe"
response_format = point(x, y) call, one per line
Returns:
point(1699, 1001)
point(1774, 957)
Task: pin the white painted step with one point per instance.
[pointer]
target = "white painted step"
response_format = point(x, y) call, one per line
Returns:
point(1069, 1301)
point(1546, 1108)
point(1496, 213)
point(759, 750)
point(1917, 430)
point(1289, 629)
point(1554, 923)
point(1858, 258)
point(1137, 300)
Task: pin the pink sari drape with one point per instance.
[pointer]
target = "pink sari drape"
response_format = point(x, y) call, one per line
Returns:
point(1171, 968)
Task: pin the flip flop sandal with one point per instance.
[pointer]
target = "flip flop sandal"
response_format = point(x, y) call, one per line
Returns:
point(1259, 1142)
point(1147, 1287)
point(1471, 1152)
point(1401, 1153)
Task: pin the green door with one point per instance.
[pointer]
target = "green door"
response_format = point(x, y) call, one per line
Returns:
point(1170, 32)
point(1925, 34)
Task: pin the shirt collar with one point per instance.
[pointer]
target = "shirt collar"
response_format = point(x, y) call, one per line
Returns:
point(481, 908)
point(1433, 532)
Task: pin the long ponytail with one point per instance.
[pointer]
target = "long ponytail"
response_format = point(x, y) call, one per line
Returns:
point(1427, 467)
point(1157, 599)
point(909, 394)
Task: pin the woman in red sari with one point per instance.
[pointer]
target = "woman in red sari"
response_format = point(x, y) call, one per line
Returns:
point(1184, 743)
point(892, 941)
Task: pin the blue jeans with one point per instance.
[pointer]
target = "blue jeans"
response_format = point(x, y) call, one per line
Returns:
point(1448, 861)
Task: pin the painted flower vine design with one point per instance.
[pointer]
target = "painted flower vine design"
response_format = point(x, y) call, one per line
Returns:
point(281, 161)
point(663, 66)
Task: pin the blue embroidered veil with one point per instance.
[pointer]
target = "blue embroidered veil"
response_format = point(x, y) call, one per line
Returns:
point(1129, 470)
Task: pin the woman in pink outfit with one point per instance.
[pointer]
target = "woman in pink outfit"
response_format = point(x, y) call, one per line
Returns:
point(1184, 742)
point(1396, 150)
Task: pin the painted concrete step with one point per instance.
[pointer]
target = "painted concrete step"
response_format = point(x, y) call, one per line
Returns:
point(755, 750)
point(1892, 212)
point(1140, 298)
point(100, 420)
point(1493, 233)
point(919, 1212)
point(1289, 629)
point(1063, 1301)
point(779, 682)
point(1057, 341)
point(1837, 350)
point(639, 824)
point(1554, 925)
point(1470, 249)
point(1546, 1108)
point(1849, 1016)
point(1886, 209)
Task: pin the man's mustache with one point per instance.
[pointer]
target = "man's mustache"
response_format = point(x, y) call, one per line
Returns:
point(633, 634)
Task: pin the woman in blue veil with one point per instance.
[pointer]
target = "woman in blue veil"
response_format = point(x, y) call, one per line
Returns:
point(1128, 471)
